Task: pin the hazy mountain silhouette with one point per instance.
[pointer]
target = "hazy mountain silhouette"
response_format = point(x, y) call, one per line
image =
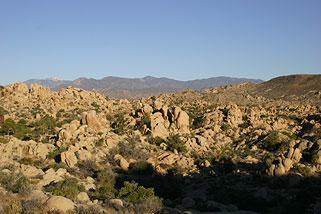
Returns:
point(139, 87)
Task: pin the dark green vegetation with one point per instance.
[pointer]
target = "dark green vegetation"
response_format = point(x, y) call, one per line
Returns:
point(173, 142)
point(41, 130)
point(15, 182)
point(68, 188)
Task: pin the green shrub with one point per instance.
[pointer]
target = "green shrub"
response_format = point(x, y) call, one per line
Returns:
point(198, 122)
point(174, 142)
point(145, 120)
point(33, 206)
point(68, 188)
point(16, 183)
point(303, 170)
point(95, 105)
point(100, 142)
point(128, 151)
point(275, 142)
point(105, 185)
point(196, 115)
point(43, 128)
point(133, 193)
point(87, 168)
point(19, 130)
point(118, 124)
point(4, 139)
point(225, 126)
point(133, 138)
point(57, 151)
point(37, 110)
point(155, 140)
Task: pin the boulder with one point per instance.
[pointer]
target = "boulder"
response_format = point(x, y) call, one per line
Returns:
point(182, 122)
point(59, 203)
point(90, 118)
point(69, 158)
point(158, 126)
point(83, 197)
point(116, 203)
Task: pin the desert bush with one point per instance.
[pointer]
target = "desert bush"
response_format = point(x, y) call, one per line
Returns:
point(92, 209)
point(225, 126)
point(196, 115)
point(37, 110)
point(87, 168)
point(174, 142)
point(68, 188)
point(19, 130)
point(105, 185)
point(100, 142)
point(303, 170)
point(43, 129)
point(4, 139)
point(33, 162)
point(132, 138)
point(56, 152)
point(128, 151)
point(275, 142)
point(96, 106)
point(15, 182)
point(153, 205)
point(65, 117)
point(145, 120)
point(155, 140)
point(9, 204)
point(118, 124)
point(32, 206)
point(134, 193)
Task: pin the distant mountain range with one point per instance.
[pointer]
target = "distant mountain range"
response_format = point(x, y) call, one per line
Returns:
point(118, 87)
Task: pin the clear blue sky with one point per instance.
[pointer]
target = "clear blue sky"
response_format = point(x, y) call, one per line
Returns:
point(182, 39)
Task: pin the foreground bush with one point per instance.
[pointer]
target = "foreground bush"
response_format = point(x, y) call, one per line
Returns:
point(68, 188)
point(16, 183)
point(131, 192)
point(105, 185)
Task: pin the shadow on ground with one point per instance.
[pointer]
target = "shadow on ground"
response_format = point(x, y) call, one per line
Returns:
point(243, 185)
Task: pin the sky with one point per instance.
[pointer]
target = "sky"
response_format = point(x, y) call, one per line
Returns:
point(180, 39)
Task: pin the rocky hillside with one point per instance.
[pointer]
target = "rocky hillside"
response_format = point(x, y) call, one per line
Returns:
point(222, 150)
point(118, 87)
point(289, 87)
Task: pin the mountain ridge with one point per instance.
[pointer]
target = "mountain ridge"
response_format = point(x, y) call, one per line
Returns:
point(134, 87)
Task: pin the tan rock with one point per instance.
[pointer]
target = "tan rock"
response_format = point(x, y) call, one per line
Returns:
point(182, 122)
point(279, 170)
point(59, 203)
point(83, 197)
point(90, 118)
point(69, 158)
point(147, 109)
point(84, 155)
point(158, 126)
point(287, 163)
